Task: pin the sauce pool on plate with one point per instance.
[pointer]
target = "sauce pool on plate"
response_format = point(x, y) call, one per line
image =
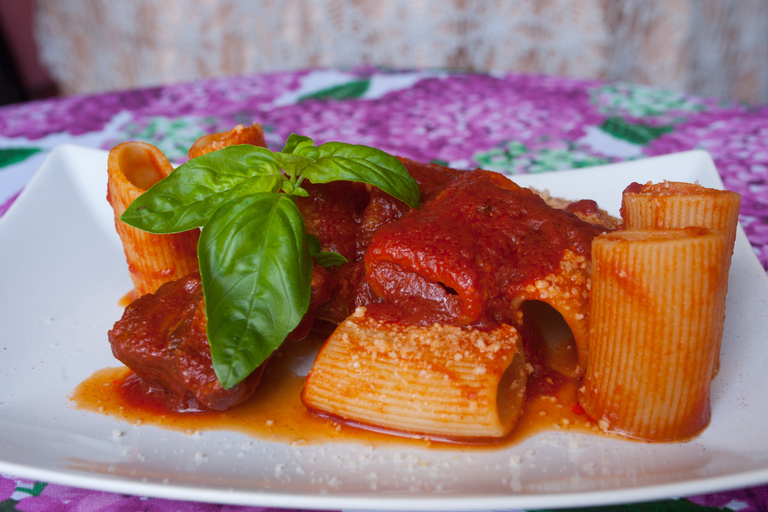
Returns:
point(275, 412)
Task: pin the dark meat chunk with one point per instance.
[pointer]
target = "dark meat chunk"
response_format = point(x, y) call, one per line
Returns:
point(323, 213)
point(332, 213)
point(432, 178)
point(161, 338)
point(344, 215)
point(322, 284)
point(382, 209)
point(350, 289)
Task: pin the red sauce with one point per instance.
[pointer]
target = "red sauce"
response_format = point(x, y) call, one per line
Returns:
point(469, 252)
point(584, 206)
point(275, 412)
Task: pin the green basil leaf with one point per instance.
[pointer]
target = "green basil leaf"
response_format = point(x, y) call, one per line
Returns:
point(293, 190)
point(314, 245)
point(339, 161)
point(329, 258)
point(310, 152)
point(257, 273)
point(187, 197)
point(295, 141)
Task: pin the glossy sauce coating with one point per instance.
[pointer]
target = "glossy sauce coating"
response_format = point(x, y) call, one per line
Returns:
point(463, 257)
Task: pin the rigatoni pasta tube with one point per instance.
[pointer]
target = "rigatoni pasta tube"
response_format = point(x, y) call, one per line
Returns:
point(133, 167)
point(441, 381)
point(672, 205)
point(654, 334)
point(253, 135)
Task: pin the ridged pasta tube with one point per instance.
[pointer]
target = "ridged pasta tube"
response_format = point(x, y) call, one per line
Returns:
point(567, 291)
point(253, 135)
point(133, 167)
point(672, 205)
point(654, 331)
point(441, 381)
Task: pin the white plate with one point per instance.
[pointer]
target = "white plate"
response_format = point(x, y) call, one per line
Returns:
point(62, 271)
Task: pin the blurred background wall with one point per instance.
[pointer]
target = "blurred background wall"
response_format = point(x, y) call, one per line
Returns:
point(22, 77)
point(704, 47)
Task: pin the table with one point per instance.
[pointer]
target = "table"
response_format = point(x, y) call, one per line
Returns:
point(505, 122)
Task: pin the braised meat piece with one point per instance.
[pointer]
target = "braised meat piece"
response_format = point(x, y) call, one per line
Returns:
point(383, 208)
point(432, 178)
point(350, 288)
point(161, 337)
point(332, 213)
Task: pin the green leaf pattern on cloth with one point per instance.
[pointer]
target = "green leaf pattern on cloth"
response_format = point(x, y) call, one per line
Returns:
point(636, 133)
point(346, 91)
point(640, 101)
point(173, 136)
point(514, 157)
point(10, 156)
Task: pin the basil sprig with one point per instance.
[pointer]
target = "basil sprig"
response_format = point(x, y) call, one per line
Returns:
point(255, 254)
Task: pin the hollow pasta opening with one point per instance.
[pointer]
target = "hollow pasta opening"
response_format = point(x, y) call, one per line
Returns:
point(548, 334)
point(140, 166)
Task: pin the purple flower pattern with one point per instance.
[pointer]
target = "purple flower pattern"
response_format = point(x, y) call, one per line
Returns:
point(448, 118)
point(60, 498)
point(737, 139)
point(751, 499)
point(7, 488)
point(507, 122)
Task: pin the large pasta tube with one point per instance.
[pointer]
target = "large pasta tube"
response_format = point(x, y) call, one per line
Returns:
point(253, 135)
point(654, 333)
point(441, 381)
point(133, 167)
point(671, 205)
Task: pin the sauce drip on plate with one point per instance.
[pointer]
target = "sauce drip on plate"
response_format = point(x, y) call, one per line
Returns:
point(275, 412)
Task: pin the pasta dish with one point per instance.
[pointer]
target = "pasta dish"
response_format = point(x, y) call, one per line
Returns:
point(456, 297)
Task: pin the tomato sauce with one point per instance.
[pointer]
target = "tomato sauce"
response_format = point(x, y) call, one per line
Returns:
point(467, 254)
point(275, 412)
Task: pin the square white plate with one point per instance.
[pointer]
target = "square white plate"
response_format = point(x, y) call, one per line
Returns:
point(62, 272)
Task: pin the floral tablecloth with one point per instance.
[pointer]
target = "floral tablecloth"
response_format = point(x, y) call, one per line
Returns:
point(505, 122)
